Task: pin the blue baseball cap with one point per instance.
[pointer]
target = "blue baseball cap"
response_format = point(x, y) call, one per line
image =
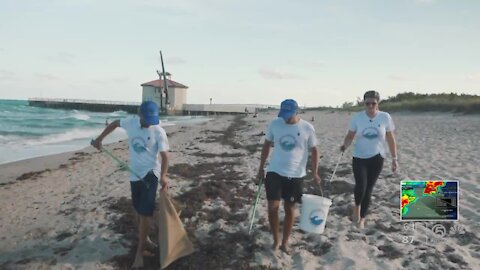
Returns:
point(149, 112)
point(288, 108)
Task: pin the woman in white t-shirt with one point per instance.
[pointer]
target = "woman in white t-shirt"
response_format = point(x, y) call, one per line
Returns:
point(374, 130)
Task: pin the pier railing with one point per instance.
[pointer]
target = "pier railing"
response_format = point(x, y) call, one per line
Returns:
point(84, 104)
point(85, 101)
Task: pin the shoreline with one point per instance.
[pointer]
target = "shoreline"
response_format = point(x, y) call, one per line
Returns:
point(47, 149)
point(39, 164)
point(15, 169)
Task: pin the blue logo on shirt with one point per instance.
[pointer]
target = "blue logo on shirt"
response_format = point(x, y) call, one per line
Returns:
point(288, 142)
point(139, 145)
point(370, 133)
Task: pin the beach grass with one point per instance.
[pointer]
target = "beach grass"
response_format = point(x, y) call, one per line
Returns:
point(414, 102)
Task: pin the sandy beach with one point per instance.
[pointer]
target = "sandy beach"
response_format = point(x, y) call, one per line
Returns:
point(73, 210)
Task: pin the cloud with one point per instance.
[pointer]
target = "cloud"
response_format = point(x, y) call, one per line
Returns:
point(62, 58)
point(271, 74)
point(473, 77)
point(46, 76)
point(175, 61)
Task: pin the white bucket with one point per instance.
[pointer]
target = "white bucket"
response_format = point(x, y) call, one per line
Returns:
point(314, 213)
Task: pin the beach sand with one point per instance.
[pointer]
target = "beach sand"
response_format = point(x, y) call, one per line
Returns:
point(73, 210)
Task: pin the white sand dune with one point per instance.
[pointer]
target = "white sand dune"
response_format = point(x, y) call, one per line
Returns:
point(77, 214)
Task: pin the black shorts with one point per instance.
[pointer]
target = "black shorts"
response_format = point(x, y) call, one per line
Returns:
point(143, 197)
point(281, 187)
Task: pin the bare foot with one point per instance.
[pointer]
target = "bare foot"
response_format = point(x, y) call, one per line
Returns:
point(355, 217)
point(138, 263)
point(285, 249)
point(275, 246)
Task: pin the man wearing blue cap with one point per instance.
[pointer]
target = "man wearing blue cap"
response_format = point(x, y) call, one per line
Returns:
point(292, 139)
point(146, 140)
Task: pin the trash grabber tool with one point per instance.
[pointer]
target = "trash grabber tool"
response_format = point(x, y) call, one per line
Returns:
point(121, 163)
point(333, 174)
point(257, 196)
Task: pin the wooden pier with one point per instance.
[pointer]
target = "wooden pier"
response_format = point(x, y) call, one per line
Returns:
point(87, 105)
point(132, 107)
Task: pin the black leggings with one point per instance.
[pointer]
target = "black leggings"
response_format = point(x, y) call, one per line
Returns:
point(366, 172)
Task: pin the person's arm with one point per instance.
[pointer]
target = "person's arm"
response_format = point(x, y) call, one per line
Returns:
point(263, 159)
point(97, 143)
point(314, 153)
point(392, 145)
point(348, 140)
point(164, 180)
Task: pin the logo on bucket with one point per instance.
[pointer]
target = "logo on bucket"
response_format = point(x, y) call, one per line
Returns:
point(316, 217)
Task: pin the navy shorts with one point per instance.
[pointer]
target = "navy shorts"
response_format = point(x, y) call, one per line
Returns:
point(281, 187)
point(143, 197)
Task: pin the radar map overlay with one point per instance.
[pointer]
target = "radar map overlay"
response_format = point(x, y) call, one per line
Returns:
point(429, 200)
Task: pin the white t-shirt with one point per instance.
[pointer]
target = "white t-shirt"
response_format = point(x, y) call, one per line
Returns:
point(291, 144)
point(370, 134)
point(144, 145)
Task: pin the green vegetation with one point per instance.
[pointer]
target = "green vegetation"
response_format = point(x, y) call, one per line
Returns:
point(321, 108)
point(425, 102)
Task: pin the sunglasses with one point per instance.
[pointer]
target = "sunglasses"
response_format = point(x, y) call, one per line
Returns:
point(370, 103)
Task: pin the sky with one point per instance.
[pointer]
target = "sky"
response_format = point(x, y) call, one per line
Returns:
point(320, 53)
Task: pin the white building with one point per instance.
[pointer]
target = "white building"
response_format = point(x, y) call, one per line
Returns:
point(177, 95)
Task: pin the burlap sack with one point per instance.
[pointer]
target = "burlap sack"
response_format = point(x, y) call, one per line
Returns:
point(173, 240)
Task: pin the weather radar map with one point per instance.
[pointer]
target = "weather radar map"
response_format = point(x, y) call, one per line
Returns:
point(429, 200)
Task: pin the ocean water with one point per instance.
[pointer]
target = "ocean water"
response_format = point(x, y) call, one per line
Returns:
point(27, 132)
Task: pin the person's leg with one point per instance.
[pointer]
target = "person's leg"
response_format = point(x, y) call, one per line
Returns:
point(142, 238)
point(274, 190)
point(152, 180)
point(136, 188)
point(360, 175)
point(149, 243)
point(143, 199)
point(292, 191)
point(289, 208)
point(374, 167)
point(273, 207)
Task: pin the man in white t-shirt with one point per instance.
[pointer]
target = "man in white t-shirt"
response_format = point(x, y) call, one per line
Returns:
point(292, 139)
point(146, 140)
